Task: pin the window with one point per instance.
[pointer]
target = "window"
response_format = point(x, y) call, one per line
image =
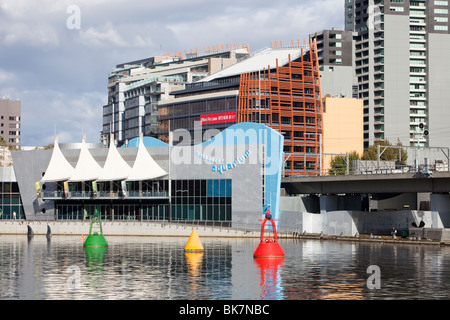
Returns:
point(441, 11)
point(440, 19)
point(439, 28)
point(204, 200)
point(397, 9)
point(10, 201)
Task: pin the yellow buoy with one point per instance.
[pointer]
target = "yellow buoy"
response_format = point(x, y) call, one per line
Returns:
point(194, 243)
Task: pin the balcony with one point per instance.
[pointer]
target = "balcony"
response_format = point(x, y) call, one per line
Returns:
point(52, 195)
point(83, 195)
point(146, 195)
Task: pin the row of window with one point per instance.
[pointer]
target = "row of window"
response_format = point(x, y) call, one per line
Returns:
point(14, 211)
point(204, 200)
point(133, 212)
point(180, 188)
point(10, 201)
point(198, 107)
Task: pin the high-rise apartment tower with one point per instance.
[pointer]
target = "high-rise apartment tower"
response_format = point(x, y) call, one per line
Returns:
point(402, 69)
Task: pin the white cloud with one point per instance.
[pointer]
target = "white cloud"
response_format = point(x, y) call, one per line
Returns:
point(7, 77)
point(107, 36)
point(141, 42)
point(36, 35)
point(46, 112)
point(30, 23)
point(284, 20)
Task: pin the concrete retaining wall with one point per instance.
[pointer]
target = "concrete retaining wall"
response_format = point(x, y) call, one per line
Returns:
point(343, 216)
point(125, 228)
point(442, 235)
point(348, 223)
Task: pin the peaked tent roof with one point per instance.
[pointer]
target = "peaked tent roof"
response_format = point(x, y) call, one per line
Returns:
point(115, 168)
point(59, 169)
point(145, 167)
point(87, 168)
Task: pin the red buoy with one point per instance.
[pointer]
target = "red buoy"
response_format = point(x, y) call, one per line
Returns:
point(268, 246)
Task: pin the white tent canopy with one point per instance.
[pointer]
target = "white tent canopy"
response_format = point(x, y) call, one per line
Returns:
point(59, 169)
point(87, 168)
point(115, 168)
point(145, 167)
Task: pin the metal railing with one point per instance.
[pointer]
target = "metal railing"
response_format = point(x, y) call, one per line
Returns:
point(420, 160)
point(101, 194)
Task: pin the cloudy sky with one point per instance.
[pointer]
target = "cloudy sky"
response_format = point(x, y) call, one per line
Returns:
point(56, 55)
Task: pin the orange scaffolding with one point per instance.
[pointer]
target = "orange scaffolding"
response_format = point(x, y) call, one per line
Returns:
point(288, 99)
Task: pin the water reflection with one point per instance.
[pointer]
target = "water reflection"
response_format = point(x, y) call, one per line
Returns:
point(194, 263)
point(269, 270)
point(159, 268)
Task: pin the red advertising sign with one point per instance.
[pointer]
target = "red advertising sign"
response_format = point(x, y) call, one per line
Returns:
point(218, 117)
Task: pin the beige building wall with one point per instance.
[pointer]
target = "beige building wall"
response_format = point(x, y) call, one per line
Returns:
point(10, 111)
point(342, 128)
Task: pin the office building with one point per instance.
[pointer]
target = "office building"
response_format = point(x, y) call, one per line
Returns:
point(403, 70)
point(135, 88)
point(10, 111)
point(278, 86)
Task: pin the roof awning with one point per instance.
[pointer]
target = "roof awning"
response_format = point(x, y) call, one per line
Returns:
point(59, 169)
point(87, 168)
point(115, 168)
point(145, 167)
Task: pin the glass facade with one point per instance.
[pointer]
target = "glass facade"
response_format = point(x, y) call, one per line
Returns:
point(10, 201)
point(199, 200)
point(204, 200)
point(184, 115)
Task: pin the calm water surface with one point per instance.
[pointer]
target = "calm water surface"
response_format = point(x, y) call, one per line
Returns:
point(158, 268)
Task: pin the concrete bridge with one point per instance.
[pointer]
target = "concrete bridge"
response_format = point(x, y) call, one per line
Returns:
point(437, 182)
point(366, 203)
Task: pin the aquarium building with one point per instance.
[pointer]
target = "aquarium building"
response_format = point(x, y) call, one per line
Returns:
point(230, 178)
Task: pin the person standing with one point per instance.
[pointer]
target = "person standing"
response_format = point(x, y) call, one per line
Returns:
point(394, 233)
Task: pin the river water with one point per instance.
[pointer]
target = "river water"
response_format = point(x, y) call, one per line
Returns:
point(157, 268)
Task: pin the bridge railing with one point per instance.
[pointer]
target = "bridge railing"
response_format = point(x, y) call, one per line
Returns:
point(421, 159)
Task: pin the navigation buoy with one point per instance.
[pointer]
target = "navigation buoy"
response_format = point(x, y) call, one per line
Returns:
point(95, 239)
point(268, 246)
point(194, 243)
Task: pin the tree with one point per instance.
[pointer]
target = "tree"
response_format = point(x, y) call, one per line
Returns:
point(388, 154)
point(339, 165)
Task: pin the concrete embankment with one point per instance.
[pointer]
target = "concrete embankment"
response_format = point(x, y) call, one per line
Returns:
point(374, 239)
point(124, 228)
point(166, 229)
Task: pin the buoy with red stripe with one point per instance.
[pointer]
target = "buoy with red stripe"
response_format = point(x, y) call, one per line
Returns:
point(268, 246)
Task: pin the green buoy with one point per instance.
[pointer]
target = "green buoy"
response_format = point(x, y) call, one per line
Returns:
point(95, 239)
